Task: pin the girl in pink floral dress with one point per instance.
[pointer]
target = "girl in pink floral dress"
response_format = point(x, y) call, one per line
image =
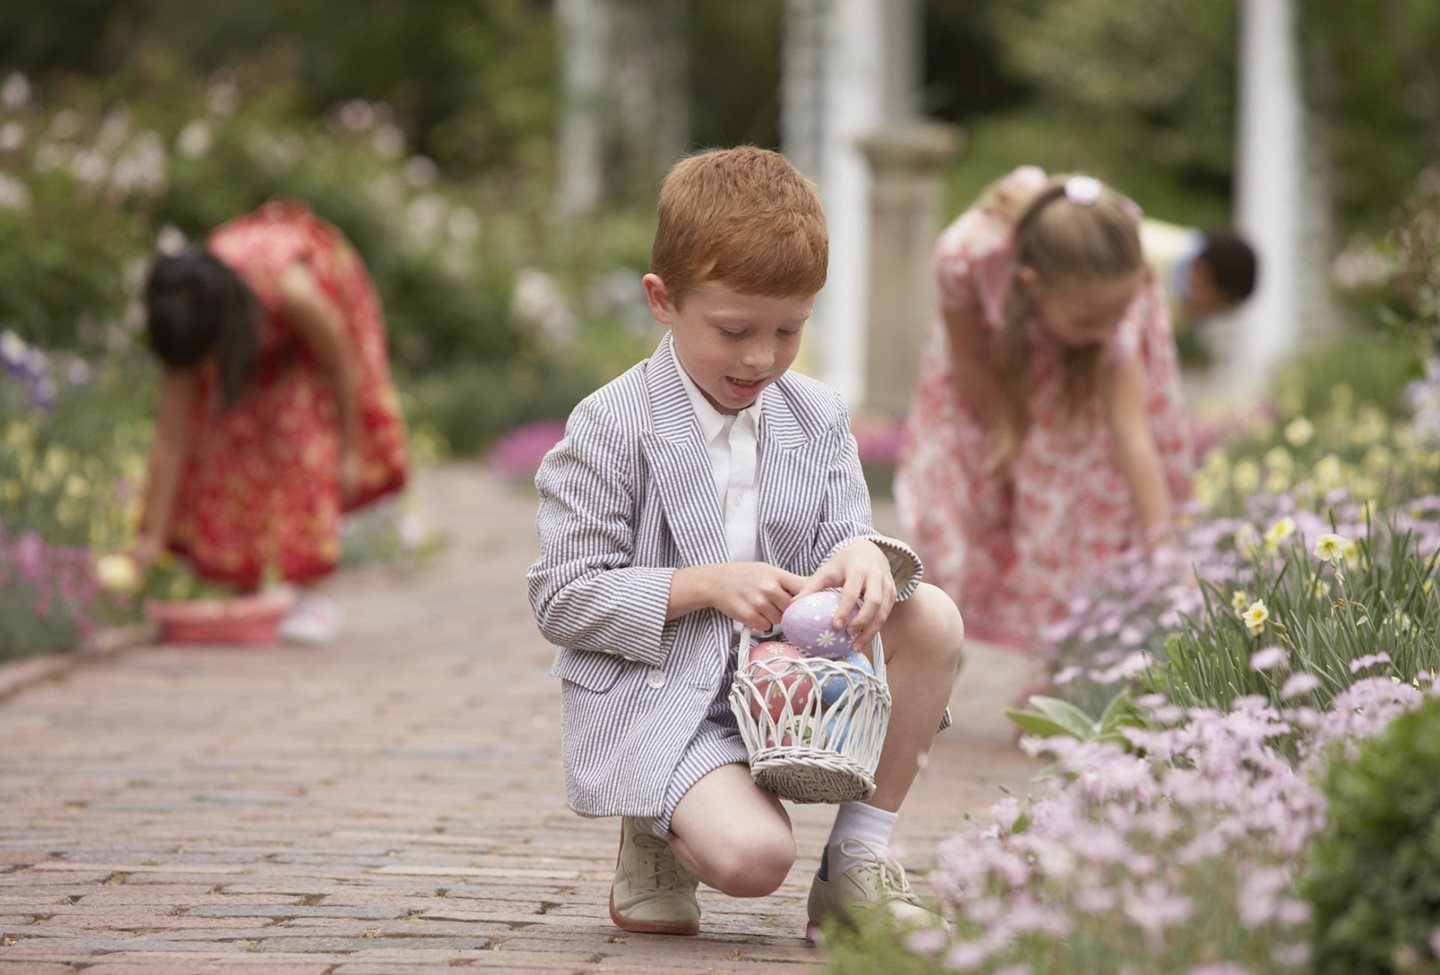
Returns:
point(1047, 433)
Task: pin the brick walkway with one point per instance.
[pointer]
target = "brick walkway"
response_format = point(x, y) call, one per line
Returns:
point(388, 806)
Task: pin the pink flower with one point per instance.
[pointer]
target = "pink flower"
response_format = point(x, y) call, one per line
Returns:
point(927, 942)
point(1298, 684)
point(1369, 660)
point(1268, 658)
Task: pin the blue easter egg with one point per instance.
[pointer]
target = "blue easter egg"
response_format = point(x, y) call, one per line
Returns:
point(835, 731)
point(832, 688)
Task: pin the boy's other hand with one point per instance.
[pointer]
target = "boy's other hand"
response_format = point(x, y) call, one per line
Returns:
point(754, 593)
point(861, 572)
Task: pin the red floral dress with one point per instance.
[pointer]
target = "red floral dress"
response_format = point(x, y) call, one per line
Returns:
point(260, 486)
point(1014, 547)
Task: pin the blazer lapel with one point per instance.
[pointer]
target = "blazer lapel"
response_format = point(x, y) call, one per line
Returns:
point(784, 467)
point(680, 464)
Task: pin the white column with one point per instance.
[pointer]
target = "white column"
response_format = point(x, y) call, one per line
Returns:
point(1271, 175)
point(584, 35)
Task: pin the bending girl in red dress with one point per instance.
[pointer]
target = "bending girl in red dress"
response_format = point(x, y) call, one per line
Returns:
point(277, 414)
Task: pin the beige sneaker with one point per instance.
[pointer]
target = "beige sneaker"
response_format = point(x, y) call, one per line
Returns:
point(872, 882)
point(653, 893)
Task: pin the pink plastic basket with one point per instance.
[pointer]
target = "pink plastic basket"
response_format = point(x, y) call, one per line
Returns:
point(239, 620)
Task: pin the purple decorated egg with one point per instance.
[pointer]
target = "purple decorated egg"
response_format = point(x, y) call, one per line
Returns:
point(807, 623)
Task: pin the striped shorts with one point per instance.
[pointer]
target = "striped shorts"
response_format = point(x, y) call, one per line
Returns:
point(716, 743)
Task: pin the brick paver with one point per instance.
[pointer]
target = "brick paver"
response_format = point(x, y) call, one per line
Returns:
point(391, 805)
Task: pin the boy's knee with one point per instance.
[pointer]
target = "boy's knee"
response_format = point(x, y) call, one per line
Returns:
point(753, 866)
point(935, 627)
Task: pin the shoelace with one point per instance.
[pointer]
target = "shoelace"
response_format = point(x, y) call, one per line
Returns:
point(879, 872)
point(659, 862)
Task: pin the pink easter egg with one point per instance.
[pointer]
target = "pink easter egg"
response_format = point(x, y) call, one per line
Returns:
point(807, 623)
point(779, 679)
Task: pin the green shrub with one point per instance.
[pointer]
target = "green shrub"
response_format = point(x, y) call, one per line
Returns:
point(1374, 872)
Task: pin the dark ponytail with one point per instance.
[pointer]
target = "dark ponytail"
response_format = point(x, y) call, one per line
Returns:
point(194, 305)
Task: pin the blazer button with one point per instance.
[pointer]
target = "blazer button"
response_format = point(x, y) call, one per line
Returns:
point(656, 679)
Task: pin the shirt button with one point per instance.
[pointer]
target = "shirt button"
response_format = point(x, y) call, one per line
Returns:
point(656, 679)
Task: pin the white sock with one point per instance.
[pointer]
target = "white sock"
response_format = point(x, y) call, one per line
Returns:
point(870, 825)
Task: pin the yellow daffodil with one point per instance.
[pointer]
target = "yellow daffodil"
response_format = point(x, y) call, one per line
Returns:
point(117, 573)
point(1239, 600)
point(1350, 551)
point(1299, 432)
point(1256, 616)
point(1328, 472)
point(1246, 476)
point(1247, 540)
point(1331, 548)
point(1278, 532)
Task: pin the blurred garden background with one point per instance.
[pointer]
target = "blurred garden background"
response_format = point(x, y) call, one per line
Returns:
point(444, 139)
point(440, 138)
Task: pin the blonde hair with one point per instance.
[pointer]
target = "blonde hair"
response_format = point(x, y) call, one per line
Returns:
point(1061, 239)
point(745, 217)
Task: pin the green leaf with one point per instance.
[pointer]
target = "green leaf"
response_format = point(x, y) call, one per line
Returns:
point(1119, 712)
point(1036, 724)
point(1068, 716)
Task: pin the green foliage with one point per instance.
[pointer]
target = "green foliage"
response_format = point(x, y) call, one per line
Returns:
point(31, 624)
point(1053, 716)
point(1159, 75)
point(874, 947)
point(472, 82)
point(72, 473)
point(1325, 618)
point(1372, 75)
point(470, 405)
point(1062, 142)
point(1373, 369)
point(1374, 872)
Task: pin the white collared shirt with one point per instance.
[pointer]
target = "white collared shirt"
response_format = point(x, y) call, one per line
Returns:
point(733, 445)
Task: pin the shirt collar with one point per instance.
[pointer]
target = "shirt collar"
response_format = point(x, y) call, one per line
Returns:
point(712, 421)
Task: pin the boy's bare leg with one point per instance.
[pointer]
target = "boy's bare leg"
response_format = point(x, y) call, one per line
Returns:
point(922, 639)
point(732, 834)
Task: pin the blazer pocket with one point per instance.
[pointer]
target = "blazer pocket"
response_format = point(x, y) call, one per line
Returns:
point(590, 669)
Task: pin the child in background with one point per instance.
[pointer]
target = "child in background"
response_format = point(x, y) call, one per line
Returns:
point(706, 488)
point(1047, 433)
point(276, 412)
point(1204, 273)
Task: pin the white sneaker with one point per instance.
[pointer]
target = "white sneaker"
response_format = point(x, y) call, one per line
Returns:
point(313, 620)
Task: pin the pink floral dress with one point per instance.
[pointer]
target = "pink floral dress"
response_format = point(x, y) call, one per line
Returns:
point(1013, 547)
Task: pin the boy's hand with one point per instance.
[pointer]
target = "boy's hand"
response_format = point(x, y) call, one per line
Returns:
point(862, 573)
point(753, 593)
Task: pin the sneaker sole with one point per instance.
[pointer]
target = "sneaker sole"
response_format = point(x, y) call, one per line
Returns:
point(650, 927)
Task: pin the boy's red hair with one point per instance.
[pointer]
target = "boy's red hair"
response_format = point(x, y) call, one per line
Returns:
point(744, 217)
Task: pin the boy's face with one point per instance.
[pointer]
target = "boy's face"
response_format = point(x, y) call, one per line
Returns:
point(1204, 297)
point(732, 344)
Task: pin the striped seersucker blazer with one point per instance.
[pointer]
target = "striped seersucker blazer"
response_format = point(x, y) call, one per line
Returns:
point(626, 498)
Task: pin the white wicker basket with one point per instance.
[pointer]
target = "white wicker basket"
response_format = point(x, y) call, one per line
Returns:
point(802, 749)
